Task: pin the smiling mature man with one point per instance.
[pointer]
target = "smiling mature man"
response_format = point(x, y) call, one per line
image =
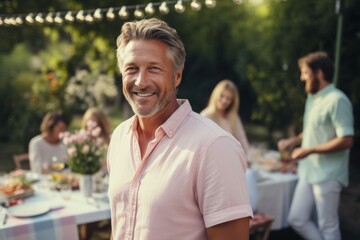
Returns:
point(173, 173)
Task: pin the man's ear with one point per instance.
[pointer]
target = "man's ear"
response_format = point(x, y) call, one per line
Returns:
point(320, 74)
point(178, 76)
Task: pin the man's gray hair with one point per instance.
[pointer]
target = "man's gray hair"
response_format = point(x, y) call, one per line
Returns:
point(151, 29)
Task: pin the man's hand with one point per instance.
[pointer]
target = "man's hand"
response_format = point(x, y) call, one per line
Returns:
point(300, 153)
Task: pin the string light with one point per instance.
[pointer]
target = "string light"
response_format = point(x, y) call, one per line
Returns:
point(80, 16)
point(19, 20)
point(97, 14)
point(10, 21)
point(164, 9)
point(39, 18)
point(91, 15)
point(210, 3)
point(30, 18)
point(58, 19)
point(69, 17)
point(110, 14)
point(49, 18)
point(149, 9)
point(138, 13)
point(195, 5)
point(89, 18)
point(179, 6)
point(123, 14)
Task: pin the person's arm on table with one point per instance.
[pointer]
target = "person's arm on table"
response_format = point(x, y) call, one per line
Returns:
point(233, 230)
point(333, 145)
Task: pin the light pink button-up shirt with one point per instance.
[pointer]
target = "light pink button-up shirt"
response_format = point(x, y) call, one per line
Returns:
point(192, 177)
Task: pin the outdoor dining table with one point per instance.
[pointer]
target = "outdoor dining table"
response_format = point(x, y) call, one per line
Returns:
point(53, 216)
point(275, 192)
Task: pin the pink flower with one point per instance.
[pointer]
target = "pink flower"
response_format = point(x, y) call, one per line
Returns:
point(71, 151)
point(85, 148)
point(99, 142)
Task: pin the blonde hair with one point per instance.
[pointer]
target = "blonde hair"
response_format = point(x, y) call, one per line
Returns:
point(225, 84)
point(100, 118)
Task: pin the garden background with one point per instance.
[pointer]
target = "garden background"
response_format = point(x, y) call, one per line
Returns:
point(256, 43)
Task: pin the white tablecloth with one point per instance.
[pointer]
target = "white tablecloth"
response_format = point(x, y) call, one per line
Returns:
point(275, 191)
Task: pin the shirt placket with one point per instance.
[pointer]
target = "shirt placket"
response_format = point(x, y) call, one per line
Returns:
point(133, 193)
point(135, 186)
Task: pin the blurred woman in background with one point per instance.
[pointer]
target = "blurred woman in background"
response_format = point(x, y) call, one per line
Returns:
point(47, 148)
point(223, 109)
point(98, 116)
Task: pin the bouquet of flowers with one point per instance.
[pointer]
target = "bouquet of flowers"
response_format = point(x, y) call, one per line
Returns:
point(86, 149)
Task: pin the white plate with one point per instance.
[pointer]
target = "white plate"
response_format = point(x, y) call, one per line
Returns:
point(28, 210)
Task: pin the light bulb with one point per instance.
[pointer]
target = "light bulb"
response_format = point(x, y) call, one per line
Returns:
point(58, 19)
point(110, 14)
point(49, 18)
point(39, 18)
point(195, 5)
point(123, 13)
point(179, 7)
point(69, 17)
point(149, 9)
point(29, 18)
point(164, 9)
point(19, 20)
point(89, 18)
point(80, 16)
point(138, 13)
point(210, 3)
point(97, 14)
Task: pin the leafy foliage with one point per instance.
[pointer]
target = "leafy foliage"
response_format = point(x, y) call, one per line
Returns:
point(255, 45)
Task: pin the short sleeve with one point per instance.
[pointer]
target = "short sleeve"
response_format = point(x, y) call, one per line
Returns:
point(221, 184)
point(342, 117)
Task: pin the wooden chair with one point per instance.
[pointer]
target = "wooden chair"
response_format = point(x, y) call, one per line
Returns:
point(260, 226)
point(21, 161)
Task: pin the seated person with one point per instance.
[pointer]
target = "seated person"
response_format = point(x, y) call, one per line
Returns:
point(47, 146)
point(98, 116)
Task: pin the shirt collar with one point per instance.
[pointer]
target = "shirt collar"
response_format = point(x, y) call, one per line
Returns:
point(176, 119)
point(173, 122)
point(328, 88)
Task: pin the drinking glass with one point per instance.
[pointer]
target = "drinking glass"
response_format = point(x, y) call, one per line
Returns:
point(65, 190)
point(57, 164)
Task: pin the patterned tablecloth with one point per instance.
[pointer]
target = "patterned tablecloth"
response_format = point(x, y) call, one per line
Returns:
point(60, 223)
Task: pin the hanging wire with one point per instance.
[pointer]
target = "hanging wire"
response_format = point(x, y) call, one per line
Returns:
point(91, 15)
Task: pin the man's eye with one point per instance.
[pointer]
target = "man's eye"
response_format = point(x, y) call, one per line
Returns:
point(154, 68)
point(130, 69)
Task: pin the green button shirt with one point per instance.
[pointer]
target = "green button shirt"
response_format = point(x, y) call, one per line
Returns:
point(328, 114)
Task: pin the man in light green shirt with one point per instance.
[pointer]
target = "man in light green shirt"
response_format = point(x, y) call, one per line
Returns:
point(324, 153)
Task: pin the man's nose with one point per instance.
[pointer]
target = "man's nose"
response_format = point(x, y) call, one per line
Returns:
point(141, 78)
